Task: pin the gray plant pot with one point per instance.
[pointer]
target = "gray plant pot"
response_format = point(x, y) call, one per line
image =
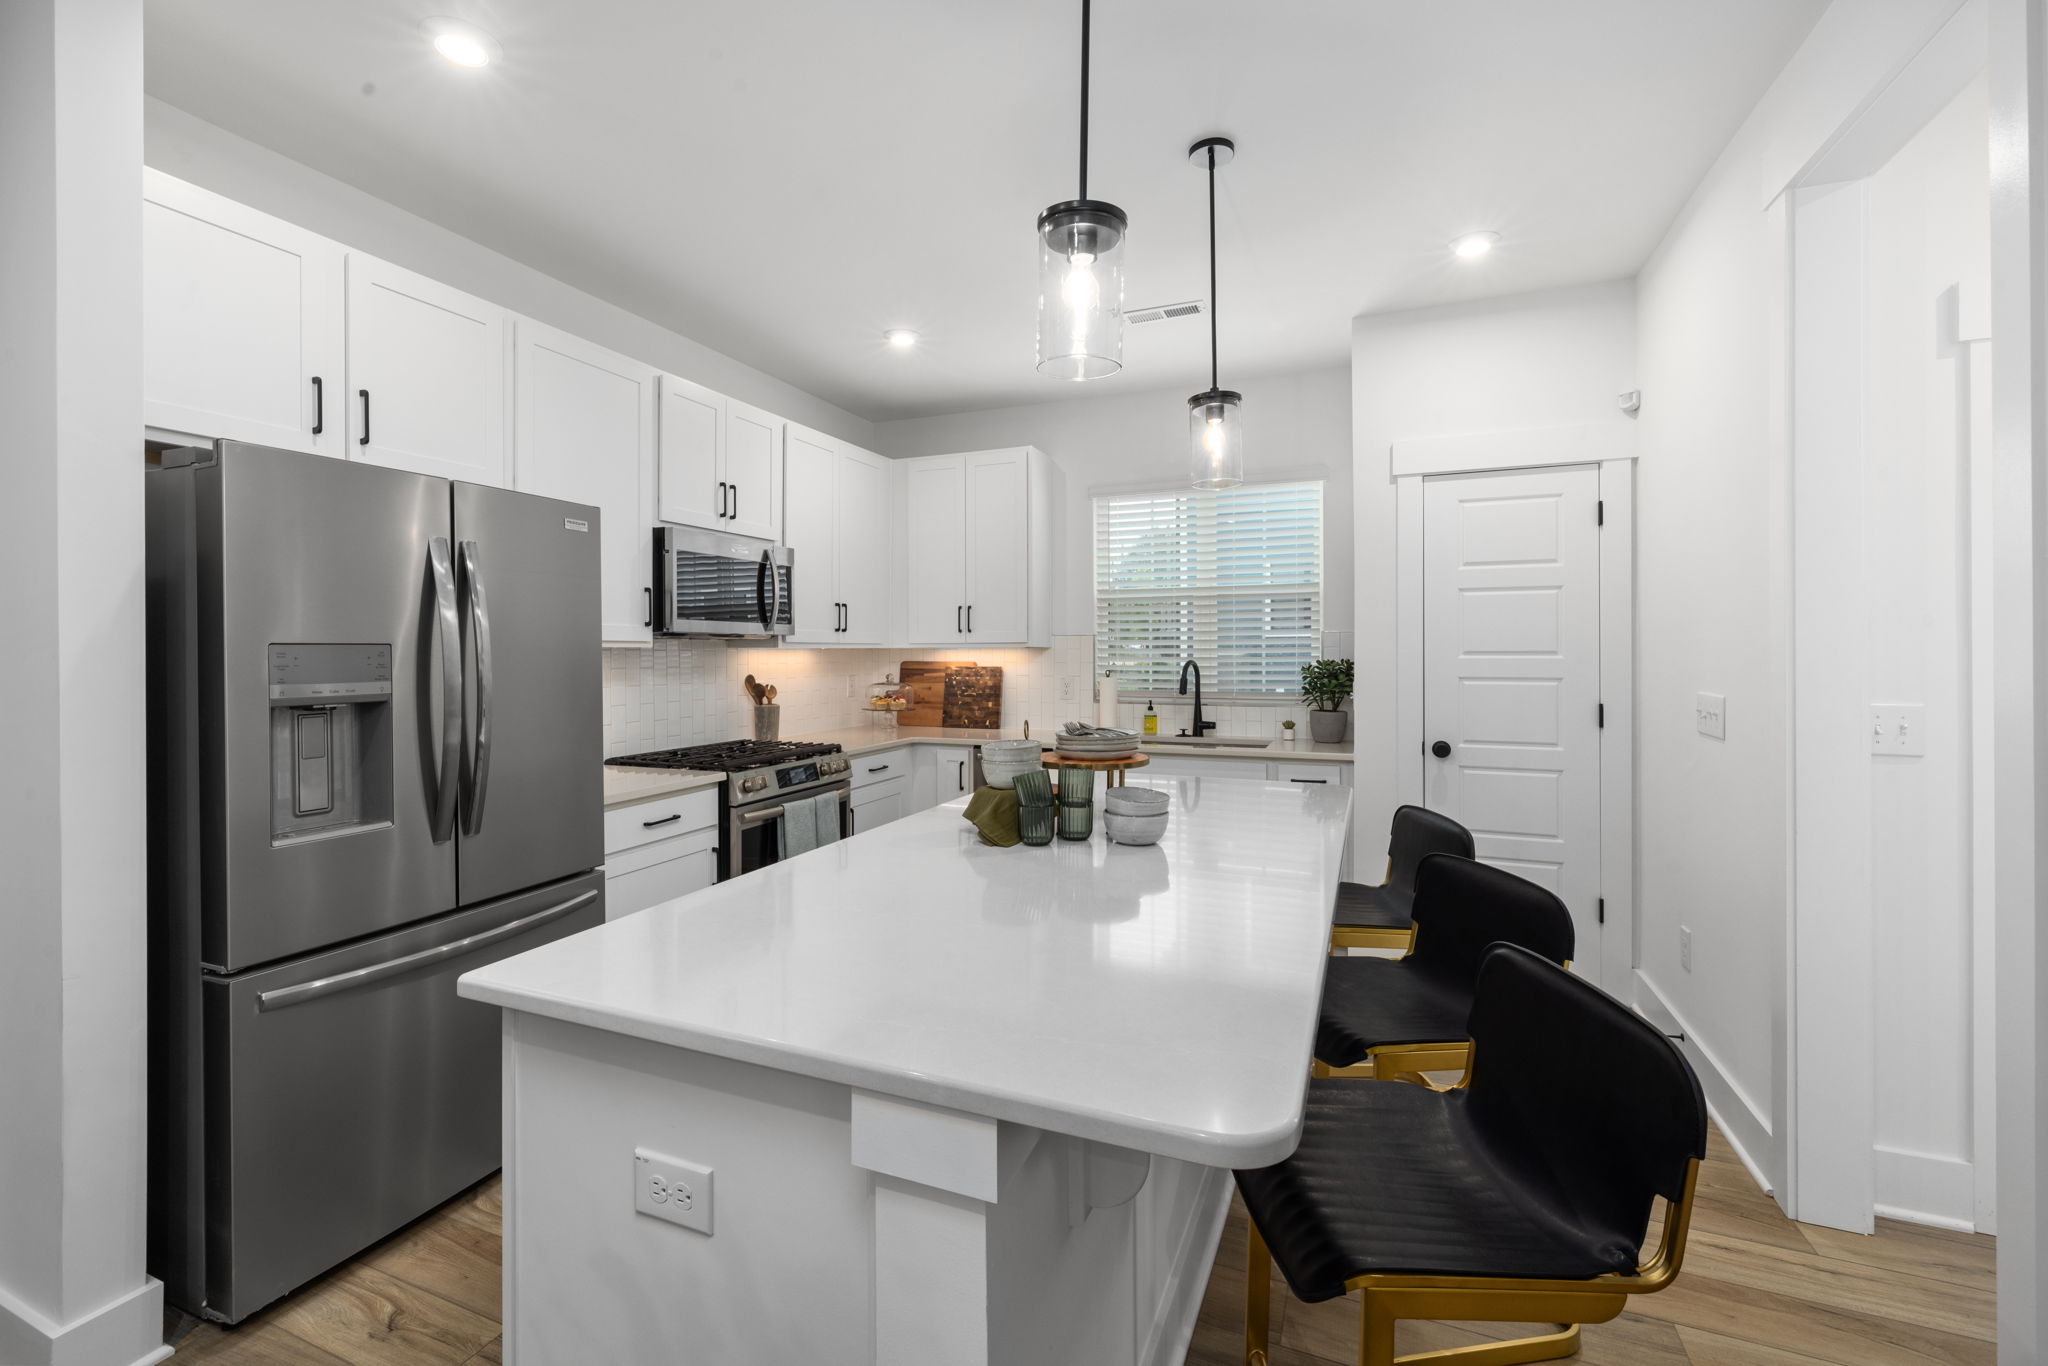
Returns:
point(1328, 727)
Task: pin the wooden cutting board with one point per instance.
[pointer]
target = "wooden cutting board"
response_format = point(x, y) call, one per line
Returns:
point(974, 697)
point(926, 680)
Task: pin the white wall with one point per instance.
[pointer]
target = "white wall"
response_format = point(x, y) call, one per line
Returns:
point(72, 1288)
point(179, 144)
point(1295, 428)
point(1557, 358)
point(1926, 238)
point(1713, 572)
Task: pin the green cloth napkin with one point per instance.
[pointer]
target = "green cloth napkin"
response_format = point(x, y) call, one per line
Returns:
point(993, 811)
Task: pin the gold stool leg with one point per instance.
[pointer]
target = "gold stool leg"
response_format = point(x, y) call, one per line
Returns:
point(1375, 1332)
point(1547, 1347)
point(1258, 1297)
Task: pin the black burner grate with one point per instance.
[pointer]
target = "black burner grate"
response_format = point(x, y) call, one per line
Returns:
point(731, 756)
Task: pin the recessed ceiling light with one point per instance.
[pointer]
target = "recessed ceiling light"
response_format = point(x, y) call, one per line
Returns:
point(1475, 244)
point(902, 338)
point(465, 45)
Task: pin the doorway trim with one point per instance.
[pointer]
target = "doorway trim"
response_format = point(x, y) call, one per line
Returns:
point(1609, 448)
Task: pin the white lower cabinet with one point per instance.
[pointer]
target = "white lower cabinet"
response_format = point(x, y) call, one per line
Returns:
point(657, 851)
point(879, 803)
point(1334, 775)
point(1180, 766)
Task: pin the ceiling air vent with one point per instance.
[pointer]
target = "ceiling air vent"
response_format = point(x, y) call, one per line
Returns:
point(1160, 313)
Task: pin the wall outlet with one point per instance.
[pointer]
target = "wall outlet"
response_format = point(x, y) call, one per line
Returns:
point(669, 1188)
point(1710, 715)
point(1070, 687)
point(1685, 948)
point(1898, 728)
point(850, 687)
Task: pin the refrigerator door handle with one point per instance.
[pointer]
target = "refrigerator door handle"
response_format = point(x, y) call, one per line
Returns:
point(344, 981)
point(480, 628)
point(448, 626)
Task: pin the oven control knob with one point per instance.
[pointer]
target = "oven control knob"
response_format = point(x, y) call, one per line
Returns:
point(754, 784)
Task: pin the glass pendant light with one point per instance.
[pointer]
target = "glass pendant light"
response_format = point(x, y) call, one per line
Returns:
point(1215, 432)
point(1081, 273)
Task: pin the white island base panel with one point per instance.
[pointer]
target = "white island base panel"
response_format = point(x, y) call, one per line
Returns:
point(845, 1226)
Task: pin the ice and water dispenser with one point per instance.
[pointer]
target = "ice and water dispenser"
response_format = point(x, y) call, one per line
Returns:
point(330, 740)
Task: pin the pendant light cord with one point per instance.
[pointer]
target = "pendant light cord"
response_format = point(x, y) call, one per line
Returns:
point(1212, 267)
point(1085, 5)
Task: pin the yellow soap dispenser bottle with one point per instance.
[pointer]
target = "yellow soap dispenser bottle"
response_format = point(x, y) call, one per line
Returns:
point(1151, 720)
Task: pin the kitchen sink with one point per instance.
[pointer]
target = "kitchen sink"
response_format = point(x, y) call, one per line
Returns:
point(1207, 742)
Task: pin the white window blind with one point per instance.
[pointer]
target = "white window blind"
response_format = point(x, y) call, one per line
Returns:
point(1231, 579)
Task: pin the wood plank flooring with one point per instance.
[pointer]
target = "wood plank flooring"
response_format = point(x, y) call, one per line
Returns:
point(1757, 1290)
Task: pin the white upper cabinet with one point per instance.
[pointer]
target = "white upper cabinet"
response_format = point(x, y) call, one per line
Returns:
point(585, 433)
point(426, 375)
point(693, 489)
point(978, 542)
point(241, 323)
point(721, 462)
point(935, 550)
point(753, 471)
point(836, 522)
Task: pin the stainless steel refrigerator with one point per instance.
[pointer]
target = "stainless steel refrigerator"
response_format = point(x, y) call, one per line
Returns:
point(375, 735)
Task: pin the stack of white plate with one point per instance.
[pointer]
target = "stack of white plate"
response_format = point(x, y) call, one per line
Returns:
point(1098, 747)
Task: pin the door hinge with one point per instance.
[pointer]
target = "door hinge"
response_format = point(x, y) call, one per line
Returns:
point(1602, 904)
point(1603, 716)
point(1600, 513)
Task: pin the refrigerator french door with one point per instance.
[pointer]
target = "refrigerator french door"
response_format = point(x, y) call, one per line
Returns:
point(374, 742)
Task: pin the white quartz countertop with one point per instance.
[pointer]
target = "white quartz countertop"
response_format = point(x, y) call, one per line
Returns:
point(631, 786)
point(1161, 998)
point(869, 739)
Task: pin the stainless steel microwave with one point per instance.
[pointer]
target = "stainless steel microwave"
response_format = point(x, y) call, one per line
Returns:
point(712, 583)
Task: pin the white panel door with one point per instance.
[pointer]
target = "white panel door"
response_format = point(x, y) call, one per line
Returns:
point(692, 486)
point(585, 433)
point(241, 323)
point(426, 375)
point(936, 550)
point(998, 525)
point(810, 528)
point(862, 502)
point(1511, 675)
point(753, 471)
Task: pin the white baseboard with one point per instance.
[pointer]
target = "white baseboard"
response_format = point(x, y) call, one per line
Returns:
point(1742, 1122)
point(127, 1332)
point(1923, 1188)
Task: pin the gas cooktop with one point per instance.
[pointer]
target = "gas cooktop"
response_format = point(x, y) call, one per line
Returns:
point(730, 756)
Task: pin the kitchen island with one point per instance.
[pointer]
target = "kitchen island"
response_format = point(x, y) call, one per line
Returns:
point(958, 1104)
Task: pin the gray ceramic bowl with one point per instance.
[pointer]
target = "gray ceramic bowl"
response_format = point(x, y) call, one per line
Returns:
point(1137, 801)
point(1127, 829)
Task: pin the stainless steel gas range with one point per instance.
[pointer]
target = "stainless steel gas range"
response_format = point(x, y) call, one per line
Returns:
point(760, 776)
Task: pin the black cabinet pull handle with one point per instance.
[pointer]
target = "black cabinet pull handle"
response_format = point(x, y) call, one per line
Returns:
point(956, 619)
point(970, 620)
point(722, 486)
point(735, 513)
point(650, 606)
point(665, 820)
point(882, 769)
point(319, 406)
point(364, 439)
point(1308, 780)
point(962, 781)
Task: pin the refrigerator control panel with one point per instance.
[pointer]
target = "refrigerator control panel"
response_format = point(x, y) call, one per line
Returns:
point(304, 673)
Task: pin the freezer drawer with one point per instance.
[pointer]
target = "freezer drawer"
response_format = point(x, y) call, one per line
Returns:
point(351, 1091)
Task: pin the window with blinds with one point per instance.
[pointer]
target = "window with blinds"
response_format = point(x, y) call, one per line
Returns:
point(1231, 579)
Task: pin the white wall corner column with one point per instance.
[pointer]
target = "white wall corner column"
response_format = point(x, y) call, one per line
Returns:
point(72, 1286)
point(2019, 219)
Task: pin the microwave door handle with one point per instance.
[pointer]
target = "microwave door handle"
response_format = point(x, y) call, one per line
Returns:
point(480, 627)
point(775, 577)
point(448, 627)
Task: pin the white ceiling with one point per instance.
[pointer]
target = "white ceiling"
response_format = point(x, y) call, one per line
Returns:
point(783, 179)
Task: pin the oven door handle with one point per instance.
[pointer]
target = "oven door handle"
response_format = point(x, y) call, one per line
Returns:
point(769, 813)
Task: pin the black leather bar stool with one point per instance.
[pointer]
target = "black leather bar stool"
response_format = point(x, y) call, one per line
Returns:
point(1392, 1017)
point(1524, 1194)
point(1377, 917)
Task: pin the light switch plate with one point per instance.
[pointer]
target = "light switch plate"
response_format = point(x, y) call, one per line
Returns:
point(1710, 715)
point(1898, 728)
point(672, 1189)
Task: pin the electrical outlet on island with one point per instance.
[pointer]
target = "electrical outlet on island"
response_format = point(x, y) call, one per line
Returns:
point(1685, 948)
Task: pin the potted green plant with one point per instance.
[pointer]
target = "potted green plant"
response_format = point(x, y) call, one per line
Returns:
point(1326, 687)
